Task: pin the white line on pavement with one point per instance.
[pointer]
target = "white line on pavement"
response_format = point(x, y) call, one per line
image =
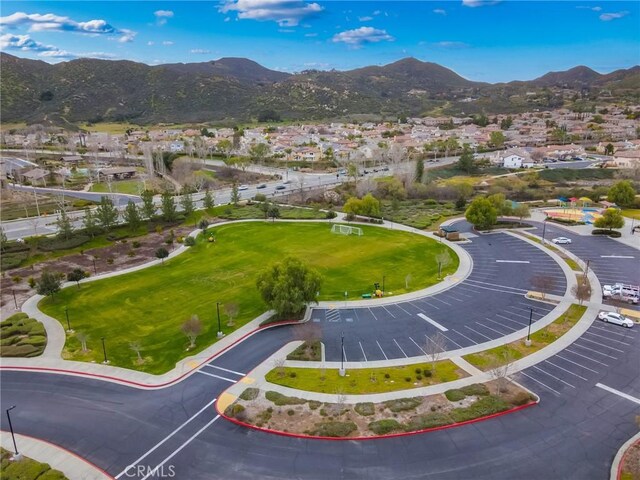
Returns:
point(225, 370)
point(433, 322)
point(398, 345)
point(363, 354)
point(387, 310)
point(496, 285)
point(489, 328)
point(552, 376)
point(577, 364)
point(502, 325)
point(475, 331)
point(513, 261)
point(167, 437)
point(543, 384)
point(607, 338)
point(371, 312)
point(385, 355)
point(521, 325)
point(216, 376)
point(584, 356)
point(565, 370)
point(463, 335)
point(452, 341)
point(417, 345)
point(404, 310)
point(617, 256)
point(177, 450)
point(594, 351)
point(601, 344)
point(618, 392)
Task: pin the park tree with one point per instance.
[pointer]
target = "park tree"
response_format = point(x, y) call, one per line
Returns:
point(481, 213)
point(273, 212)
point(162, 253)
point(434, 347)
point(48, 284)
point(608, 149)
point(419, 170)
point(370, 206)
point(611, 218)
point(235, 194)
point(231, 310)
point(521, 211)
point(259, 151)
point(465, 162)
point(622, 193)
point(505, 123)
point(90, 223)
point(443, 259)
point(63, 223)
point(582, 291)
point(132, 216)
point(192, 328)
point(497, 139)
point(83, 338)
point(3, 240)
point(208, 199)
point(137, 347)
point(186, 202)
point(76, 275)
point(543, 284)
point(148, 208)
point(168, 208)
point(500, 368)
point(352, 207)
point(106, 213)
point(288, 286)
point(501, 204)
point(225, 146)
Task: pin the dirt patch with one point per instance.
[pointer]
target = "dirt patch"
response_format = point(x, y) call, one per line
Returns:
point(631, 463)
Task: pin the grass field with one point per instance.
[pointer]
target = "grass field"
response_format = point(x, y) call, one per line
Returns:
point(132, 187)
point(150, 306)
point(631, 213)
point(365, 380)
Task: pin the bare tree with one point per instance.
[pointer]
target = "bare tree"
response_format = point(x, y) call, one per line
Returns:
point(231, 309)
point(444, 259)
point(136, 347)
point(309, 333)
point(543, 283)
point(407, 280)
point(278, 364)
point(83, 338)
point(434, 347)
point(500, 369)
point(582, 291)
point(192, 328)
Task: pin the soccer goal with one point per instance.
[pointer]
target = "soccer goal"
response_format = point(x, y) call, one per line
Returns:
point(346, 230)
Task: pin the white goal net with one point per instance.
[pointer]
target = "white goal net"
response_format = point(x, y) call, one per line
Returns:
point(346, 230)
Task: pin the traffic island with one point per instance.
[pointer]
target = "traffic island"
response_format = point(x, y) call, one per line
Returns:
point(274, 412)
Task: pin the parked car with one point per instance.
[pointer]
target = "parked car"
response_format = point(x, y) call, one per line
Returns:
point(619, 291)
point(561, 240)
point(612, 317)
point(281, 187)
point(243, 187)
point(262, 185)
point(287, 182)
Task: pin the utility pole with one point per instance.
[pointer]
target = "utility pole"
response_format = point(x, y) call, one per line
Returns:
point(17, 455)
point(342, 371)
point(220, 334)
point(528, 340)
point(15, 302)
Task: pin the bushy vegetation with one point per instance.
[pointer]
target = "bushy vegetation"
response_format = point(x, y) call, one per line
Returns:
point(26, 469)
point(280, 399)
point(333, 429)
point(21, 336)
point(365, 409)
point(387, 425)
point(310, 352)
point(250, 393)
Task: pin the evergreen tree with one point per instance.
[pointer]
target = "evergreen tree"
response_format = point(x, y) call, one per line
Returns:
point(235, 194)
point(132, 216)
point(106, 213)
point(419, 170)
point(90, 223)
point(186, 202)
point(465, 162)
point(208, 200)
point(148, 208)
point(65, 229)
point(168, 207)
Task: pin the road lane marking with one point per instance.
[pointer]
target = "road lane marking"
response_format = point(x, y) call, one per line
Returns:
point(446, 303)
point(385, 355)
point(418, 345)
point(543, 384)
point(552, 376)
point(398, 345)
point(363, 354)
point(433, 322)
point(153, 449)
point(576, 363)
point(619, 393)
point(617, 256)
point(424, 301)
point(177, 450)
point(217, 376)
point(564, 369)
point(513, 261)
point(225, 370)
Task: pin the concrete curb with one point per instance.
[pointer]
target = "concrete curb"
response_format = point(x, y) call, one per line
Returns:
point(72, 465)
point(616, 466)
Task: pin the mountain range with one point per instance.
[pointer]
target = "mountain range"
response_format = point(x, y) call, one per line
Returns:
point(232, 90)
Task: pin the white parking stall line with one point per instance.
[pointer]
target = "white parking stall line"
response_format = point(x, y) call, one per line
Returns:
point(552, 376)
point(433, 322)
point(371, 311)
point(617, 256)
point(403, 309)
point(513, 261)
point(452, 341)
point(538, 381)
point(498, 285)
point(489, 328)
point(601, 329)
point(398, 345)
point(161, 442)
point(502, 325)
point(216, 376)
point(535, 311)
point(601, 344)
point(536, 306)
point(385, 355)
point(471, 286)
point(565, 370)
point(454, 298)
point(225, 370)
point(464, 336)
point(521, 325)
point(362, 349)
point(437, 299)
point(619, 393)
point(594, 351)
point(416, 344)
point(387, 310)
point(425, 302)
point(607, 338)
point(576, 363)
point(585, 357)
point(526, 317)
point(463, 294)
point(475, 331)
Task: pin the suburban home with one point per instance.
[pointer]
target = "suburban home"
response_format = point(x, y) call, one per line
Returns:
point(71, 159)
point(512, 161)
point(626, 159)
point(34, 176)
point(117, 173)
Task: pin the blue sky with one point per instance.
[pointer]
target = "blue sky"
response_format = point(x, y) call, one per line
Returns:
point(483, 40)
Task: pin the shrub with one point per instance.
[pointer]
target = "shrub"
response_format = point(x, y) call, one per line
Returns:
point(314, 404)
point(365, 409)
point(455, 395)
point(407, 379)
point(386, 375)
point(22, 350)
point(189, 241)
point(334, 429)
point(485, 406)
point(260, 197)
point(612, 233)
point(235, 410)
point(427, 372)
point(32, 282)
point(387, 425)
point(522, 398)
point(280, 400)
point(479, 389)
point(136, 244)
point(403, 404)
point(291, 412)
point(12, 260)
point(418, 377)
point(131, 253)
point(293, 374)
point(54, 243)
point(418, 371)
point(428, 420)
point(305, 354)
point(250, 393)
point(331, 214)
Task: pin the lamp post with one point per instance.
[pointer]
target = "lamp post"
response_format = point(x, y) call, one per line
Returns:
point(66, 313)
point(220, 334)
point(383, 277)
point(95, 270)
point(17, 455)
point(342, 371)
point(15, 302)
point(104, 351)
point(527, 342)
point(544, 229)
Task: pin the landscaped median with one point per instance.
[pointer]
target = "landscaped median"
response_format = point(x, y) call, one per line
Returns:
point(277, 413)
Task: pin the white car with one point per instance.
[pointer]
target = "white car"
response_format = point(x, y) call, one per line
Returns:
point(243, 187)
point(612, 317)
point(561, 240)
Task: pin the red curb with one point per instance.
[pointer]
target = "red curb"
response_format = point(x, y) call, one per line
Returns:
point(144, 385)
point(64, 449)
point(621, 464)
point(373, 437)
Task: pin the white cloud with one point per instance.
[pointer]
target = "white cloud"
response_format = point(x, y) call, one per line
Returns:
point(359, 36)
point(607, 17)
point(151, 43)
point(25, 43)
point(162, 16)
point(585, 7)
point(597, 9)
point(286, 30)
point(127, 35)
point(287, 13)
point(99, 55)
point(449, 44)
point(199, 51)
point(365, 19)
point(167, 43)
point(440, 11)
point(479, 3)
point(310, 34)
point(228, 19)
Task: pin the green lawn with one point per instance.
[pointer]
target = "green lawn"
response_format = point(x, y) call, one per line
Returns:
point(150, 306)
point(132, 187)
point(365, 380)
point(631, 213)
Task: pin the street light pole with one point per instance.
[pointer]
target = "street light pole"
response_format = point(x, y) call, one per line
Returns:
point(15, 302)
point(220, 334)
point(528, 340)
point(17, 455)
point(544, 229)
point(342, 372)
point(66, 313)
point(104, 351)
point(95, 270)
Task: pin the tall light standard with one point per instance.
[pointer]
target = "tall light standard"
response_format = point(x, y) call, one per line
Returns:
point(220, 334)
point(544, 229)
point(17, 455)
point(527, 342)
point(104, 351)
point(342, 371)
point(66, 313)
